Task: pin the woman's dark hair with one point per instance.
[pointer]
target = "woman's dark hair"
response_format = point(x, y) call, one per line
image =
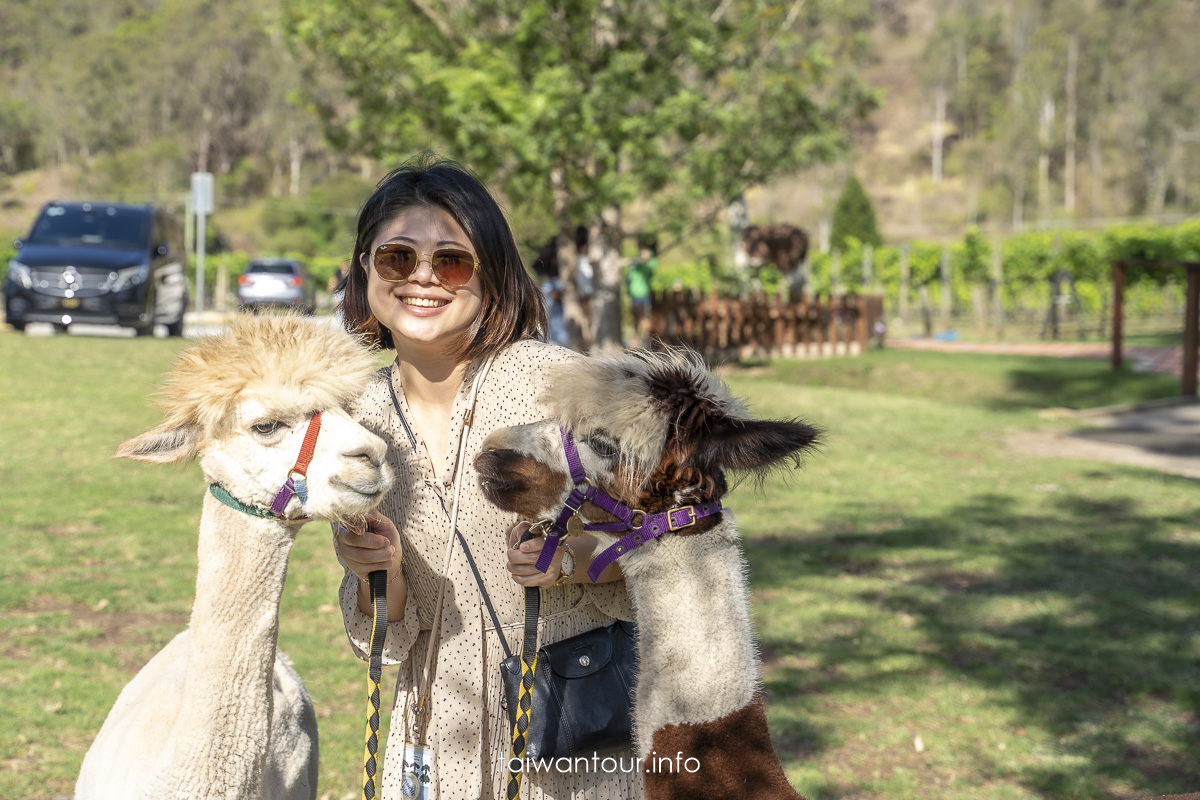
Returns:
point(512, 308)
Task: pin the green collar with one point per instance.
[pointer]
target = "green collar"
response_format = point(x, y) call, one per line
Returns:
point(219, 492)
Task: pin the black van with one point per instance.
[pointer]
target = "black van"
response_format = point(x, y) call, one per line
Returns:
point(101, 264)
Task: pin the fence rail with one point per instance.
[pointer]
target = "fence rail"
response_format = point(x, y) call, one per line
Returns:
point(766, 326)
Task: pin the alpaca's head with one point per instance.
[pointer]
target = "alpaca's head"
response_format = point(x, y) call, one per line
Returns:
point(654, 431)
point(241, 402)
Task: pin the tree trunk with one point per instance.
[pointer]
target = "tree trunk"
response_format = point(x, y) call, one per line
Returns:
point(1018, 210)
point(204, 140)
point(1163, 175)
point(939, 121)
point(605, 252)
point(1069, 155)
point(739, 220)
point(1045, 122)
point(295, 161)
point(1095, 163)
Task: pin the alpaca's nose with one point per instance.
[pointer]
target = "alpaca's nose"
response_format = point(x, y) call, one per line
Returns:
point(371, 454)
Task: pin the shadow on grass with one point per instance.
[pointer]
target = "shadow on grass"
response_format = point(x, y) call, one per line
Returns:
point(1077, 383)
point(1084, 617)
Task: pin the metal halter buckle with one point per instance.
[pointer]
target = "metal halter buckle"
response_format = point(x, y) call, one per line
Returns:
point(691, 512)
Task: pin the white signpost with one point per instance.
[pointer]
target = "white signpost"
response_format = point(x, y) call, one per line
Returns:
point(202, 205)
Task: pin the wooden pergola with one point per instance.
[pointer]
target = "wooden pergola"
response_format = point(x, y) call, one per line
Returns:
point(1191, 325)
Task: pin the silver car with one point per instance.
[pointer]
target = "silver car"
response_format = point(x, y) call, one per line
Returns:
point(276, 282)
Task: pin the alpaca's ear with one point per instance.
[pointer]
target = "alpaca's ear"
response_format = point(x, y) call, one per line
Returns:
point(753, 444)
point(166, 444)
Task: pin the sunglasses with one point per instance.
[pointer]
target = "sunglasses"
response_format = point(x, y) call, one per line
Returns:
point(397, 262)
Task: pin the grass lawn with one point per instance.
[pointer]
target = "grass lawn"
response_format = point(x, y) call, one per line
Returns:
point(940, 617)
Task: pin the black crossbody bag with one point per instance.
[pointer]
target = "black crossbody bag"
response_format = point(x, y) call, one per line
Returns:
point(582, 687)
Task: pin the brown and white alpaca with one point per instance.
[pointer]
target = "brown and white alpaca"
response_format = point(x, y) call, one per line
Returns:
point(219, 712)
point(657, 431)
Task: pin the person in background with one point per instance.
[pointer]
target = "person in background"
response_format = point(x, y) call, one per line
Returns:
point(639, 275)
point(545, 267)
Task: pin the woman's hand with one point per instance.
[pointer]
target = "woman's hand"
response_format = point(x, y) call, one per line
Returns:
point(522, 561)
point(376, 547)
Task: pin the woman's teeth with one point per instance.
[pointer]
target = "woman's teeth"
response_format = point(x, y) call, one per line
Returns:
point(424, 302)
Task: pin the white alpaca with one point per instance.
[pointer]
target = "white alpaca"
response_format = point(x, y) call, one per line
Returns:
point(219, 712)
point(655, 432)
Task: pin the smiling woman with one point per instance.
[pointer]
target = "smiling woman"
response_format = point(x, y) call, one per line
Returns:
point(420, 308)
point(438, 278)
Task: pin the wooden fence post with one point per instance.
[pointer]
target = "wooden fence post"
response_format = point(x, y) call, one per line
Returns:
point(1118, 268)
point(1191, 330)
point(944, 300)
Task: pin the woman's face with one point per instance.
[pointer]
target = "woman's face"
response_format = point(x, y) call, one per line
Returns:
point(422, 314)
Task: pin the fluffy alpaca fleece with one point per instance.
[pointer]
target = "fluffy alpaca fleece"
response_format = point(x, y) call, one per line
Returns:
point(656, 431)
point(219, 712)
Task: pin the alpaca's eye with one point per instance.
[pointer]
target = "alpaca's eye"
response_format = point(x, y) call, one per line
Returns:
point(266, 428)
point(602, 444)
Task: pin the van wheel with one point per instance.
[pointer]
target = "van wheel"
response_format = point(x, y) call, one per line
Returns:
point(175, 329)
point(18, 326)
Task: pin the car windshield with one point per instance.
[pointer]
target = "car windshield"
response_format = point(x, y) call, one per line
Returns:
point(273, 269)
point(92, 224)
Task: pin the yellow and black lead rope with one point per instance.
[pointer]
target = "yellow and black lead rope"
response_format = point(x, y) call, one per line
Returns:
point(533, 601)
point(378, 582)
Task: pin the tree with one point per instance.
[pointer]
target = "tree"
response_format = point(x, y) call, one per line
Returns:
point(853, 216)
point(589, 106)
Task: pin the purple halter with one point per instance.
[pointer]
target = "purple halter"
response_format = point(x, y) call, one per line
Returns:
point(642, 527)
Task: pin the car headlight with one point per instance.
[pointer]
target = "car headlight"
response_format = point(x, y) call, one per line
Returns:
point(20, 273)
point(126, 278)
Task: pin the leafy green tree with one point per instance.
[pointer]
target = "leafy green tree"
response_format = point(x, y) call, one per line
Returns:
point(589, 106)
point(854, 216)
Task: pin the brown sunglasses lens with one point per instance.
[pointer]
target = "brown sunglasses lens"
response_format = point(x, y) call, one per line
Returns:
point(397, 262)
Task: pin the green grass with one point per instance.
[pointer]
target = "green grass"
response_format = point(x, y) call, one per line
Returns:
point(1034, 621)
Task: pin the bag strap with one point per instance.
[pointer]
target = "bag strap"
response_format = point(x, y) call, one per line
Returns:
point(529, 657)
point(487, 601)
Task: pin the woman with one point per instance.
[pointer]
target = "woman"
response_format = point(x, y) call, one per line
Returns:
point(437, 277)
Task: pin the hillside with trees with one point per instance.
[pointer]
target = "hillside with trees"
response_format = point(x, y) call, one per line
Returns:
point(624, 117)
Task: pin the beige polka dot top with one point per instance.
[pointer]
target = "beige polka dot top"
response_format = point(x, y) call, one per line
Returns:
point(467, 727)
